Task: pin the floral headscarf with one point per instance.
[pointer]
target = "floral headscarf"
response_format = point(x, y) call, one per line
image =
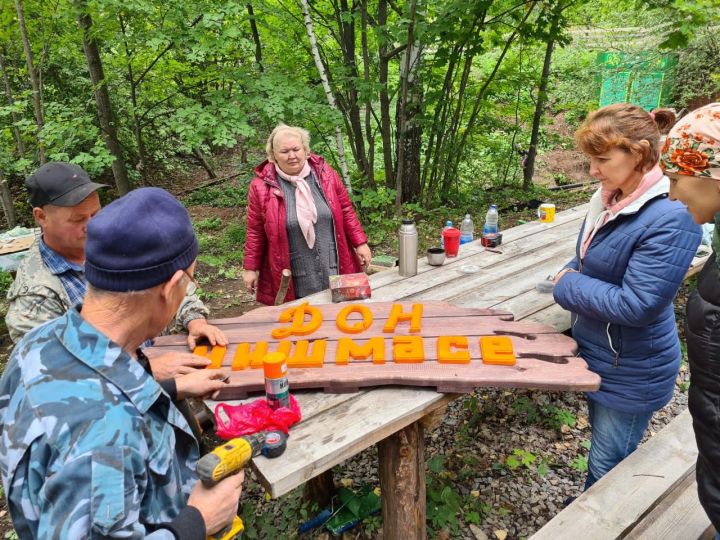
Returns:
point(692, 147)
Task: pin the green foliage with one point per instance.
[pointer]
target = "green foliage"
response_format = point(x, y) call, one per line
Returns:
point(523, 460)
point(580, 464)
point(6, 281)
point(548, 414)
point(225, 196)
point(445, 503)
point(209, 224)
point(374, 208)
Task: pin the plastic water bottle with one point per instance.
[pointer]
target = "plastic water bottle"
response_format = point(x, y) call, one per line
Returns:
point(448, 225)
point(467, 228)
point(491, 221)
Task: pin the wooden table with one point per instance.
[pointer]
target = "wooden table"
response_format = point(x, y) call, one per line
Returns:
point(337, 427)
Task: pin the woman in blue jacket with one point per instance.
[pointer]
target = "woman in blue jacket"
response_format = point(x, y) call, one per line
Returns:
point(633, 251)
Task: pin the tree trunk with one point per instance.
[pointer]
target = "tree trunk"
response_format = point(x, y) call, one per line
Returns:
point(9, 95)
point(34, 81)
point(104, 108)
point(369, 137)
point(529, 169)
point(328, 93)
point(385, 123)
point(404, 111)
point(256, 37)
point(402, 481)
point(7, 202)
point(137, 127)
point(346, 24)
point(204, 162)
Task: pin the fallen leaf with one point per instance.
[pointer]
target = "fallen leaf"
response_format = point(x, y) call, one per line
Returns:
point(501, 534)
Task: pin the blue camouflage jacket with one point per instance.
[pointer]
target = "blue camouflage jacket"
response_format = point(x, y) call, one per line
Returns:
point(90, 445)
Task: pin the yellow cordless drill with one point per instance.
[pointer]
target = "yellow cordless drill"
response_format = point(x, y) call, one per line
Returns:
point(225, 460)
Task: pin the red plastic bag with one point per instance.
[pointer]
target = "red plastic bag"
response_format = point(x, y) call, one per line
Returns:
point(235, 420)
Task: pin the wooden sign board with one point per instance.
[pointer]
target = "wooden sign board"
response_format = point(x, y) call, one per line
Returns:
point(343, 347)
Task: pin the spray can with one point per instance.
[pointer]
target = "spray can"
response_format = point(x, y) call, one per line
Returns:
point(277, 387)
point(408, 245)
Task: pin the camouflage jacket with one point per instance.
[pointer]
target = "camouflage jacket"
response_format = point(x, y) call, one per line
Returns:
point(90, 446)
point(37, 296)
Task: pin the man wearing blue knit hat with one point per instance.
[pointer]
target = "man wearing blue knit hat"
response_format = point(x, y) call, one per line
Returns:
point(90, 444)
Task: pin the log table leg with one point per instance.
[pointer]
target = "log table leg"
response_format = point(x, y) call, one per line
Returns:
point(402, 480)
point(320, 489)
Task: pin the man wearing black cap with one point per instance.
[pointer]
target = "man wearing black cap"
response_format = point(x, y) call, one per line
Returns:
point(90, 444)
point(51, 278)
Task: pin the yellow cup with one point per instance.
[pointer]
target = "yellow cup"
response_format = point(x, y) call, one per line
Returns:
point(546, 213)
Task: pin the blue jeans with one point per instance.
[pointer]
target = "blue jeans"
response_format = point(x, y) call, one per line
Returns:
point(615, 435)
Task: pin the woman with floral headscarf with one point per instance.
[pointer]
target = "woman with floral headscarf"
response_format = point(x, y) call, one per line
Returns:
point(691, 158)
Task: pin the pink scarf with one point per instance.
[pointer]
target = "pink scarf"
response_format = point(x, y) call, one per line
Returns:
point(612, 206)
point(304, 203)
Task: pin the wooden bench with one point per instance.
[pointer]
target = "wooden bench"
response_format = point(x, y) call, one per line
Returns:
point(650, 495)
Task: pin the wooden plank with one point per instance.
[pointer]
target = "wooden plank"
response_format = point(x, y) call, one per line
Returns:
point(679, 515)
point(518, 255)
point(311, 403)
point(621, 499)
point(554, 316)
point(527, 373)
point(567, 220)
point(493, 277)
point(341, 432)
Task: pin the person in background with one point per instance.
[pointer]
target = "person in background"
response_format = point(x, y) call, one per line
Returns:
point(51, 279)
point(90, 444)
point(691, 158)
point(299, 217)
point(665, 120)
point(633, 251)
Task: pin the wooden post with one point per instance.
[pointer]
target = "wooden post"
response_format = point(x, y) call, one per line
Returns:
point(402, 480)
point(320, 489)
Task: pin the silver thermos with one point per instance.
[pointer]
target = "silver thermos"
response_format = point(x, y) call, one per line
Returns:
point(408, 246)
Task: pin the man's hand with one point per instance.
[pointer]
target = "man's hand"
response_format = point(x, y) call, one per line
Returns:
point(364, 254)
point(199, 328)
point(170, 365)
point(218, 505)
point(201, 383)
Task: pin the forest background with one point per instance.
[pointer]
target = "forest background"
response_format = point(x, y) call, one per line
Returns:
point(421, 106)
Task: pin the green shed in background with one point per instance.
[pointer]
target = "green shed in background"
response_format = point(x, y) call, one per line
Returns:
point(645, 79)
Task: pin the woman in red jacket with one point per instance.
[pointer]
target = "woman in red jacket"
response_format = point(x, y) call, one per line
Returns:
point(299, 217)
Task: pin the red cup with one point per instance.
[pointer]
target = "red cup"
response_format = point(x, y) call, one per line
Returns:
point(451, 238)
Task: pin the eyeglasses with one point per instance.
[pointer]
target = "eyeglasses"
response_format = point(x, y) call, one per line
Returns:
point(192, 285)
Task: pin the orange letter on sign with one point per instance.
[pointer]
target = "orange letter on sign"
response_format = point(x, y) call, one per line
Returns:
point(201, 350)
point(245, 357)
point(408, 350)
point(216, 356)
point(298, 327)
point(398, 315)
point(347, 349)
point(446, 355)
point(300, 357)
point(497, 350)
point(357, 327)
